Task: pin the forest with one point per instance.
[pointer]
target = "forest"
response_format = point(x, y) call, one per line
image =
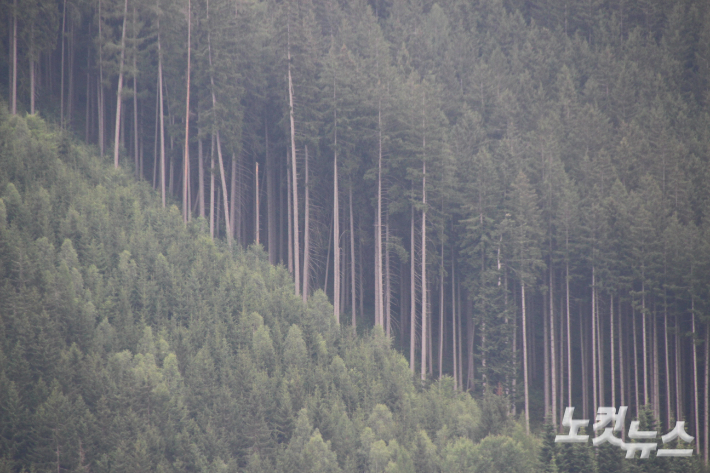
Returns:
point(367, 235)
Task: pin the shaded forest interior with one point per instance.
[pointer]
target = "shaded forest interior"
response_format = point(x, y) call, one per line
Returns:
point(511, 194)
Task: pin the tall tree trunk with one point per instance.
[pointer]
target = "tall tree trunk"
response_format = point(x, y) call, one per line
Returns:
point(235, 200)
point(14, 55)
point(336, 218)
point(707, 392)
point(611, 340)
point(569, 334)
point(33, 92)
point(634, 351)
point(257, 207)
point(119, 92)
point(424, 278)
point(352, 262)
point(595, 391)
point(525, 358)
point(135, 97)
point(667, 366)
point(100, 89)
point(441, 310)
point(61, 81)
point(412, 295)
point(583, 356)
point(201, 174)
point(643, 334)
point(162, 121)
point(553, 350)
point(186, 160)
point(216, 132)
point(453, 317)
point(388, 286)
point(271, 199)
point(695, 379)
point(378, 229)
point(307, 238)
point(290, 215)
point(294, 171)
point(212, 186)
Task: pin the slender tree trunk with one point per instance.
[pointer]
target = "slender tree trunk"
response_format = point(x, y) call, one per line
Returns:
point(201, 174)
point(424, 278)
point(294, 173)
point(643, 334)
point(212, 186)
point(307, 239)
point(271, 199)
point(219, 145)
point(412, 295)
point(611, 340)
point(622, 367)
point(569, 335)
point(290, 217)
point(61, 81)
point(583, 356)
point(186, 160)
point(162, 122)
point(459, 307)
point(656, 382)
point(336, 218)
point(707, 392)
point(135, 96)
point(695, 378)
point(595, 391)
point(553, 350)
point(441, 310)
point(14, 55)
point(388, 287)
point(352, 262)
point(378, 229)
point(453, 317)
point(119, 92)
point(235, 200)
point(525, 358)
point(32, 90)
point(257, 207)
point(636, 363)
point(100, 89)
point(668, 369)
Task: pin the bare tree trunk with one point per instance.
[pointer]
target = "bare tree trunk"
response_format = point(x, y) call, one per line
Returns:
point(162, 122)
point(441, 310)
point(553, 350)
point(585, 367)
point(611, 340)
point(707, 392)
point(186, 159)
point(336, 237)
point(352, 261)
point(33, 92)
point(212, 194)
point(61, 82)
point(119, 92)
point(388, 287)
point(258, 207)
point(271, 199)
point(100, 89)
point(290, 216)
point(200, 174)
point(412, 295)
point(307, 239)
point(569, 334)
point(453, 317)
point(656, 382)
point(595, 391)
point(525, 358)
point(135, 97)
point(378, 231)
point(695, 378)
point(636, 361)
point(667, 366)
point(459, 306)
point(14, 56)
point(294, 171)
point(643, 334)
point(235, 188)
point(216, 132)
point(424, 278)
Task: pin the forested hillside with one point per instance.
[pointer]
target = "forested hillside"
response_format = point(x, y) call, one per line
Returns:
point(512, 194)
